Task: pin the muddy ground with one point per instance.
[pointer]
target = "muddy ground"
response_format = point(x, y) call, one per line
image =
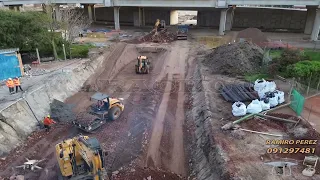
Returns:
point(150, 130)
point(170, 128)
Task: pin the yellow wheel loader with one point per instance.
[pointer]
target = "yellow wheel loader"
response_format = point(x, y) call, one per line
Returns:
point(143, 65)
point(80, 158)
point(105, 108)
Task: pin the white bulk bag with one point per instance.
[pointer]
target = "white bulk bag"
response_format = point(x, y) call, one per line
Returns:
point(271, 86)
point(239, 109)
point(254, 107)
point(280, 95)
point(259, 84)
point(262, 94)
point(265, 105)
point(273, 101)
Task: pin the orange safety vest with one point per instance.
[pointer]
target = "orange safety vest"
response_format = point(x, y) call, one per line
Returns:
point(16, 82)
point(10, 83)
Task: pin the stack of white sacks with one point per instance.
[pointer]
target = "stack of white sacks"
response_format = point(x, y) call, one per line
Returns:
point(269, 98)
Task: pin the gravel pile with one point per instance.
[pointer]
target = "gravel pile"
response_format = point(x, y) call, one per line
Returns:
point(235, 59)
point(61, 112)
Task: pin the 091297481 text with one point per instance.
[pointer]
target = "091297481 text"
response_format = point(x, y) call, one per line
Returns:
point(291, 150)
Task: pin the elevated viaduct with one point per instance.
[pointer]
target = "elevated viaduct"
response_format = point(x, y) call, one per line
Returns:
point(211, 13)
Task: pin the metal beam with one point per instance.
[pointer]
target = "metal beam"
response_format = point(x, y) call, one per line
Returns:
point(165, 3)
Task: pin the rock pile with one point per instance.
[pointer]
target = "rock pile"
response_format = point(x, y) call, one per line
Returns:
point(235, 59)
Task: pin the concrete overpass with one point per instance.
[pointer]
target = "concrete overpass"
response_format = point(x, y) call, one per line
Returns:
point(219, 8)
point(169, 3)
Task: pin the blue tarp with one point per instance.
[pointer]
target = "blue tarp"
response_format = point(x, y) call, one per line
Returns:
point(9, 65)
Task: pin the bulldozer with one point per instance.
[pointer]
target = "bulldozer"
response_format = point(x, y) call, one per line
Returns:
point(143, 65)
point(105, 108)
point(80, 158)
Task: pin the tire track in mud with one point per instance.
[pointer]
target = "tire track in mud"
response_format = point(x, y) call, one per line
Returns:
point(166, 147)
point(42, 149)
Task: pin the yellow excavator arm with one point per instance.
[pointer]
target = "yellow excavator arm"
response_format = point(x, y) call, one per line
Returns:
point(81, 156)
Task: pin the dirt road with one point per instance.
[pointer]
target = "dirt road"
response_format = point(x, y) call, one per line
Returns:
point(151, 127)
point(166, 144)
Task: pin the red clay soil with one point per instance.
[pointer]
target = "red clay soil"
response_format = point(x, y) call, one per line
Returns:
point(312, 134)
point(140, 174)
point(313, 104)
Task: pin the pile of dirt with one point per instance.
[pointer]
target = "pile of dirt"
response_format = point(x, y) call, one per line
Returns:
point(145, 174)
point(253, 35)
point(160, 37)
point(61, 112)
point(235, 59)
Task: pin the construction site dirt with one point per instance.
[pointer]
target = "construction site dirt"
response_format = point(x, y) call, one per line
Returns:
point(170, 128)
point(150, 102)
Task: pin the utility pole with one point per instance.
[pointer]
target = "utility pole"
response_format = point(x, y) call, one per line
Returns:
point(64, 52)
point(38, 56)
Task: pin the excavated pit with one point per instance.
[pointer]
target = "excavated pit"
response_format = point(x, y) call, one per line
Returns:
point(112, 73)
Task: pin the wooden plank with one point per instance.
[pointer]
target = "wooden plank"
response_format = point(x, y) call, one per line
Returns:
point(20, 63)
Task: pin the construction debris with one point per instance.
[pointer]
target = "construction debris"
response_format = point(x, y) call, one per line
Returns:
point(264, 133)
point(238, 92)
point(231, 125)
point(159, 37)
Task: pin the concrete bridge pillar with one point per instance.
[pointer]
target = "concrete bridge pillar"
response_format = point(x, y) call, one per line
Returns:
point(229, 19)
point(316, 27)
point(116, 18)
point(174, 17)
point(311, 15)
point(15, 8)
point(90, 14)
point(57, 12)
point(138, 17)
point(223, 18)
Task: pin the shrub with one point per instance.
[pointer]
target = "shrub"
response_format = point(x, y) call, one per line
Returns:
point(304, 69)
point(80, 51)
point(288, 57)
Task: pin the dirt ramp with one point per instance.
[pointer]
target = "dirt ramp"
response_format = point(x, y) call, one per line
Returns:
point(235, 59)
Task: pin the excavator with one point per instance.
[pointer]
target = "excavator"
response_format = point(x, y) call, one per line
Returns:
point(159, 25)
point(80, 158)
point(143, 65)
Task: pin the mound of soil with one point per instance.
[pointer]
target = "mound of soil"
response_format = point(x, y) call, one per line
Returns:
point(61, 111)
point(253, 35)
point(235, 59)
point(160, 37)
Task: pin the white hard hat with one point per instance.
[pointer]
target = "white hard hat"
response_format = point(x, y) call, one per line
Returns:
point(9, 79)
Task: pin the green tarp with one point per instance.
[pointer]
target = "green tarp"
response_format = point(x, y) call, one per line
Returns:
point(297, 102)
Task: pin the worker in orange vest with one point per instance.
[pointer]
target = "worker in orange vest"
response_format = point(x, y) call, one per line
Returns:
point(10, 85)
point(47, 122)
point(16, 82)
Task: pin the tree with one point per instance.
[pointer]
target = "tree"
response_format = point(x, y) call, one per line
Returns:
point(51, 25)
point(22, 30)
point(72, 22)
